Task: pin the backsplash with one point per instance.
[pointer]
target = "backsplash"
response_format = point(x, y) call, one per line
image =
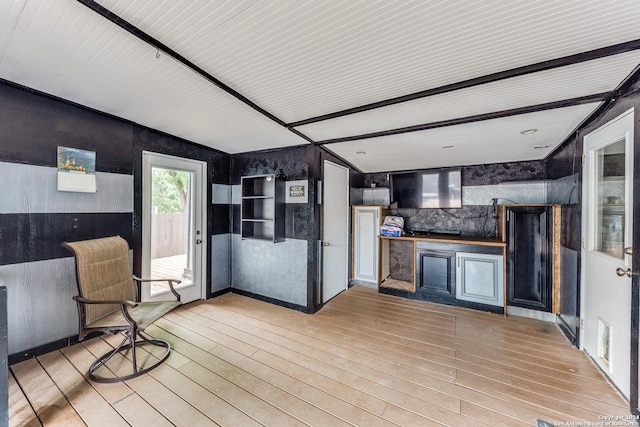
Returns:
point(514, 182)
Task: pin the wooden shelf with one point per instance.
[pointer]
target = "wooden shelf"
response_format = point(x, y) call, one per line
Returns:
point(398, 284)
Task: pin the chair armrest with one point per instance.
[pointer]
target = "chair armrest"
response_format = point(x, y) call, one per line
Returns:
point(123, 306)
point(170, 281)
point(121, 302)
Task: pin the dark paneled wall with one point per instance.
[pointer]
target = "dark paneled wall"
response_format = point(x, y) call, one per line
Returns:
point(38, 273)
point(294, 163)
point(564, 171)
point(276, 272)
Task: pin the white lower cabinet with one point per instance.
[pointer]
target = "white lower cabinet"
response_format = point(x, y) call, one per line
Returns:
point(480, 278)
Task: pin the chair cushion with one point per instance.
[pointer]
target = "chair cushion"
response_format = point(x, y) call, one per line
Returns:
point(103, 273)
point(144, 314)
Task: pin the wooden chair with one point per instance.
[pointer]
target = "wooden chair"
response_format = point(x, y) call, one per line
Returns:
point(108, 301)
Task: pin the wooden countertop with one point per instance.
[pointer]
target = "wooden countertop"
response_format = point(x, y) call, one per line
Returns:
point(469, 240)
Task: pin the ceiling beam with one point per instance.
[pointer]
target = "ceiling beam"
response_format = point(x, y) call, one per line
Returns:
point(599, 97)
point(125, 25)
point(514, 72)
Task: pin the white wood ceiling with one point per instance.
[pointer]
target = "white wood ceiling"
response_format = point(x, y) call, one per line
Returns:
point(299, 59)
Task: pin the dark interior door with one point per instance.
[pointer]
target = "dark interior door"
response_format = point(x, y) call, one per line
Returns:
point(528, 272)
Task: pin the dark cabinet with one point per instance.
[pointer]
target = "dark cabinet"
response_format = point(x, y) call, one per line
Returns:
point(529, 238)
point(435, 271)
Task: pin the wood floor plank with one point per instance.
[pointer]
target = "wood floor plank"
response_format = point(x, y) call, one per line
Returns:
point(561, 411)
point(249, 403)
point(82, 359)
point(21, 413)
point(355, 398)
point(512, 407)
point(507, 398)
point(232, 382)
point(402, 395)
point(299, 344)
point(139, 413)
point(218, 410)
point(364, 359)
point(162, 399)
point(50, 405)
point(267, 391)
point(86, 401)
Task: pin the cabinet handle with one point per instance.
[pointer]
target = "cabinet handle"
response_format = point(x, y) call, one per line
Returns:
point(622, 272)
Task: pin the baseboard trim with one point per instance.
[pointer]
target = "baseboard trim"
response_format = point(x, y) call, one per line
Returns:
point(270, 300)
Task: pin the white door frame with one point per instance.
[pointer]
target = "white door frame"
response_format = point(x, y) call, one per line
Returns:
point(150, 160)
point(622, 127)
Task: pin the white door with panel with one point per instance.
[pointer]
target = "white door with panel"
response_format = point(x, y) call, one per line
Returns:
point(606, 260)
point(366, 224)
point(173, 226)
point(335, 230)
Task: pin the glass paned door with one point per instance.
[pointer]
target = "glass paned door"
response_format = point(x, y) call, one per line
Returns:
point(173, 215)
point(172, 226)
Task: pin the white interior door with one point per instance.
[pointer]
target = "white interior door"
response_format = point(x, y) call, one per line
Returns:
point(173, 226)
point(335, 226)
point(607, 230)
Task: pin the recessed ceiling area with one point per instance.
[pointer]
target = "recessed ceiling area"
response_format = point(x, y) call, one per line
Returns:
point(396, 80)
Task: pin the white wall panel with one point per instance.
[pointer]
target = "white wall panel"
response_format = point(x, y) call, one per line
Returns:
point(40, 308)
point(33, 189)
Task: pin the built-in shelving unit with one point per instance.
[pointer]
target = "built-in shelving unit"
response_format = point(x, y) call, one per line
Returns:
point(263, 207)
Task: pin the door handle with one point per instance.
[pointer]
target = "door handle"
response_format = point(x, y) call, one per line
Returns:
point(326, 244)
point(622, 272)
point(628, 251)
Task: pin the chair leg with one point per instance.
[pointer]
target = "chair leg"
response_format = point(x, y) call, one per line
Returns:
point(133, 352)
point(128, 343)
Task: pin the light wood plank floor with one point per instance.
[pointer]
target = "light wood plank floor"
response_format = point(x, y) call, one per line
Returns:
point(365, 359)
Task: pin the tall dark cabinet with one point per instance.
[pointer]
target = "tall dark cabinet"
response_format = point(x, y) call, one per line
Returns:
point(531, 236)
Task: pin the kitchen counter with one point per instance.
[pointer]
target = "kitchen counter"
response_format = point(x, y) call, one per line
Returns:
point(466, 271)
point(449, 238)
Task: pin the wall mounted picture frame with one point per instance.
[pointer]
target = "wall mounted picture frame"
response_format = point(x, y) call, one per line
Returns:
point(76, 170)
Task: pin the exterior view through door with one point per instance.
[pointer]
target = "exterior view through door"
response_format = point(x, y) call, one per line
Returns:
point(174, 245)
point(606, 260)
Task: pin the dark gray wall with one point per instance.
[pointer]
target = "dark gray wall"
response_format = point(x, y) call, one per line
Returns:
point(35, 218)
point(564, 171)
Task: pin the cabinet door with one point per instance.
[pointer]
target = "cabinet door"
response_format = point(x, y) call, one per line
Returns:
point(435, 272)
point(365, 243)
point(479, 278)
point(528, 264)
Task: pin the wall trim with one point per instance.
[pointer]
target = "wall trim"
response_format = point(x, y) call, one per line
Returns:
point(281, 303)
